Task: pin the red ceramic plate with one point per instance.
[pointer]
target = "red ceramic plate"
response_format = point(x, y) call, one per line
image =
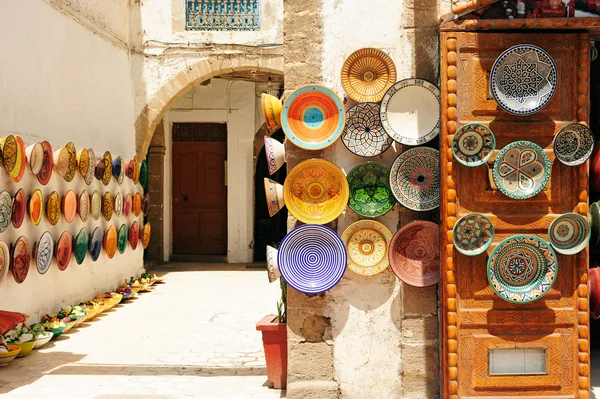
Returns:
point(47, 164)
point(109, 242)
point(64, 249)
point(69, 206)
point(134, 235)
point(21, 259)
point(19, 207)
point(127, 205)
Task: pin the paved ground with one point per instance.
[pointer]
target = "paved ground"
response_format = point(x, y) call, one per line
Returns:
point(193, 337)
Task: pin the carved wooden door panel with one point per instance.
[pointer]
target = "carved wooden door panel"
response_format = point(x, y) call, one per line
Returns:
point(475, 319)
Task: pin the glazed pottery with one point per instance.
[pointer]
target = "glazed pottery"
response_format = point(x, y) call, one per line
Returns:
point(5, 257)
point(473, 144)
point(473, 234)
point(573, 144)
point(43, 252)
point(595, 231)
point(61, 161)
point(312, 258)
point(7, 357)
point(364, 134)
point(45, 172)
point(146, 203)
point(136, 170)
point(95, 244)
point(109, 243)
point(35, 156)
point(53, 208)
point(275, 152)
point(523, 79)
point(107, 206)
point(569, 234)
point(134, 235)
point(316, 191)
point(127, 205)
point(415, 178)
point(83, 163)
point(146, 235)
point(367, 244)
point(100, 168)
point(19, 171)
point(6, 210)
point(118, 206)
point(96, 205)
point(36, 207)
point(370, 195)
point(272, 268)
point(122, 238)
point(43, 339)
point(107, 172)
point(19, 208)
point(20, 259)
point(137, 204)
point(64, 249)
point(83, 206)
point(274, 196)
point(91, 167)
point(522, 269)
point(271, 109)
point(313, 117)
point(80, 245)
point(72, 164)
point(69, 206)
point(367, 74)
point(410, 111)
point(10, 151)
point(118, 169)
point(143, 174)
point(414, 254)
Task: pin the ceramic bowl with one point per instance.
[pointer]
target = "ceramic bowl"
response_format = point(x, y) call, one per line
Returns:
point(70, 325)
point(91, 313)
point(275, 152)
point(271, 109)
point(569, 234)
point(26, 348)
point(7, 357)
point(274, 194)
point(43, 339)
point(80, 321)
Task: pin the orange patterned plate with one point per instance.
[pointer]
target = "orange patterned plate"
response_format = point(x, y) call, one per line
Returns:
point(45, 172)
point(69, 206)
point(35, 156)
point(19, 208)
point(61, 161)
point(107, 206)
point(134, 235)
point(83, 205)
point(96, 205)
point(10, 151)
point(137, 204)
point(146, 235)
point(109, 242)
point(127, 205)
point(21, 258)
point(36, 207)
point(367, 244)
point(367, 74)
point(19, 171)
point(53, 208)
point(316, 191)
point(72, 163)
point(64, 250)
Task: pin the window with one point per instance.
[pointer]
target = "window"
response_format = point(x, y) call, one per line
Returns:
point(222, 15)
point(518, 361)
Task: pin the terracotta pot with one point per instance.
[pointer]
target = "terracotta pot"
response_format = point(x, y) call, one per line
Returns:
point(594, 277)
point(274, 337)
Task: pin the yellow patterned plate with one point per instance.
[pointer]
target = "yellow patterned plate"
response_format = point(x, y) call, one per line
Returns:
point(316, 191)
point(367, 244)
point(10, 150)
point(53, 208)
point(107, 206)
point(72, 163)
point(367, 74)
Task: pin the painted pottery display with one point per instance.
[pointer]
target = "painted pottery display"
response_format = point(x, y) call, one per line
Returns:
point(370, 195)
point(134, 235)
point(410, 111)
point(521, 170)
point(271, 109)
point(313, 117)
point(72, 165)
point(569, 234)
point(10, 151)
point(312, 258)
point(107, 206)
point(35, 156)
point(414, 253)
point(96, 205)
point(272, 268)
point(19, 208)
point(118, 169)
point(573, 144)
point(127, 205)
point(20, 259)
point(107, 160)
point(522, 269)
point(595, 230)
point(122, 238)
point(64, 249)
point(61, 161)
point(146, 235)
point(80, 246)
point(137, 204)
point(69, 206)
point(523, 79)
point(275, 153)
point(473, 234)
point(274, 196)
point(21, 166)
point(6, 210)
point(43, 252)
point(91, 169)
point(367, 243)
point(5, 257)
point(364, 134)
point(100, 168)
point(118, 206)
point(136, 169)
point(316, 191)
point(83, 206)
point(146, 203)
point(35, 206)
point(367, 74)
point(95, 243)
point(415, 178)
point(53, 208)
point(109, 242)
point(83, 162)
point(45, 172)
point(473, 144)
point(143, 174)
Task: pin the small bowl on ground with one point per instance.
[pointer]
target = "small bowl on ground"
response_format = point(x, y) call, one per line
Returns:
point(43, 339)
point(26, 348)
point(7, 357)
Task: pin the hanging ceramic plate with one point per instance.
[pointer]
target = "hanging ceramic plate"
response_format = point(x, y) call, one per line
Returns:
point(312, 258)
point(107, 159)
point(100, 168)
point(367, 74)
point(47, 164)
point(53, 208)
point(83, 162)
point(118, 207)
point(122, 238)
point(146, 204)
point(80, 246)
point(316, 191)
point(595, 232)
point(410, 111)
point(137, 204)
point(521, 170)
point(523, 79)
point(274, 196)
point(95, 244)
point(415, 178)
point(118, 169)
point(146, 235)
point(4, 261)
point(367, 244)
point(10, 151)
point(20, 259)
point(136, 169)
point(569, 234)
point(19, 171)
point(107, 206)
point(69, 206)
point(313, 117)
point(129, 169)
point(96, 205)
point(83, 206)
point(275, 153)
point(36, 207)
point(43, 252)
point(72, 166)
point(110, 242)
point(35, 156)
point(19, 208)
point(6, 210)
point(370, 195)
point(473, 144)
point(271, 109)
point(272, 268)
point(473, 234)
point(91, 169)
point(364, 134)
point(573, 144)
point(143, 174)
point(61, 161)
point(127, 205)
point(522, 269)
point(64, 250)
point(134, 235)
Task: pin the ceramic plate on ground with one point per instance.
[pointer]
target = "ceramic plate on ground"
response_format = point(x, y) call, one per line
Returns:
point(523, 79)
point(272, 268)
point(134, 235)
point(127, 205)
point(118, 169)
point(137, 204)
point(143, 174)
point(53, 208)
point(122, 238)
point(69, 206)
point(80, 246)
point(43, 252)
point(313, 117)
point(64, 249)
point(107, 206)
point(316, 191)
point(569, 234)
point(574, 144)
point(109, 243)
point(35, 156)
point(275, 152)
point(19, 208)
point(595, 232)
point(72, 165)
point(146, 235)
point(271, 109)
point(370, 194)
point(415, 253)
point(61, 161)
point(36, 207)
point(410, 111)
point(47, 164)
point(521, 170)
point(4, 262)
point(367, 244)
point(19, 171)
point(473, 234)
point(364, 134)
point(367, 74)
point(95, 244)
point(83, 206)
point(10, 151)
point(473, 144)
point(118, 207)
point(522, 269)
point(312, 258)
point(6, 210)
point(20, 259)
point(96, 205)
point(415, 178)
point(274, 196)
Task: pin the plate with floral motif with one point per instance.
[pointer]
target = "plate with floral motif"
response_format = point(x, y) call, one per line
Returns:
point(473, 144)
point(20, 259)
point(364, 134)
point(569, 234)
point(370, 194)
point(6, 210)
point(473, 234)
point(367, 74)
point(53, 208)
point(367, 244)
point(574, 144)
point(43, 252)
point(415, 178)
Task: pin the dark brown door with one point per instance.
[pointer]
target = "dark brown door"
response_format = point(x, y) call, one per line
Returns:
point(199, 189)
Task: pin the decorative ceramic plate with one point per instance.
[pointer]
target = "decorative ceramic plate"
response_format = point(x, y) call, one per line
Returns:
point(53, 208)
point(19, 171)
point(313, 117)
point(473, 234)
point(36, 207)
point(573, 144)
point(61, 161)
point(272, 268)
point(275, 152)
point(20, 259)
point(118, 207)
point(6, 210)
point(80, 246)
point(83, 162)
point(415, 253)
point(312, 258)
point(83, 206)
point(122, 238)
point(137, 204)
point(523, 79)
point(316, 191)
point(91, 169)
point(72, 166)
point(43, 252)
point(127, 205)
point(274, 196)
point(136, 169)
point(118, 169)
point(134, 235)
point(35, 156)
point(473, 144)
point(45, 172)
point(107, 159)
point(415, 178)
point(110, 242)
point(146, 235)
point(64, 250)
point(370, 194)
point(367, 74)
point(364, 134)
point(100, 168)
point(107, 206)
point(410, 111)
point(146, 203)
point(367, 244)
point(521, 170)
point(595, 212)
point(95, 244)
point(569, 234)
point(522, 269)
point(69, 206)
point(96, 205)
point(129, 169)
point(10, 151)
point(19, 208)
point(143, 174)
point(4, 261)
point(271, 109)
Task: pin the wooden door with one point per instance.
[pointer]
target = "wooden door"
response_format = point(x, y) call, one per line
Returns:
point(199, 189)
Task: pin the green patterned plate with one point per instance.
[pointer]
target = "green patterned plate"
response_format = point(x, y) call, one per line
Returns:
point(80, 245)
point(370, 194)
point(144, 174)
point(122, 238)
point(473, 234)
point(569, 234)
